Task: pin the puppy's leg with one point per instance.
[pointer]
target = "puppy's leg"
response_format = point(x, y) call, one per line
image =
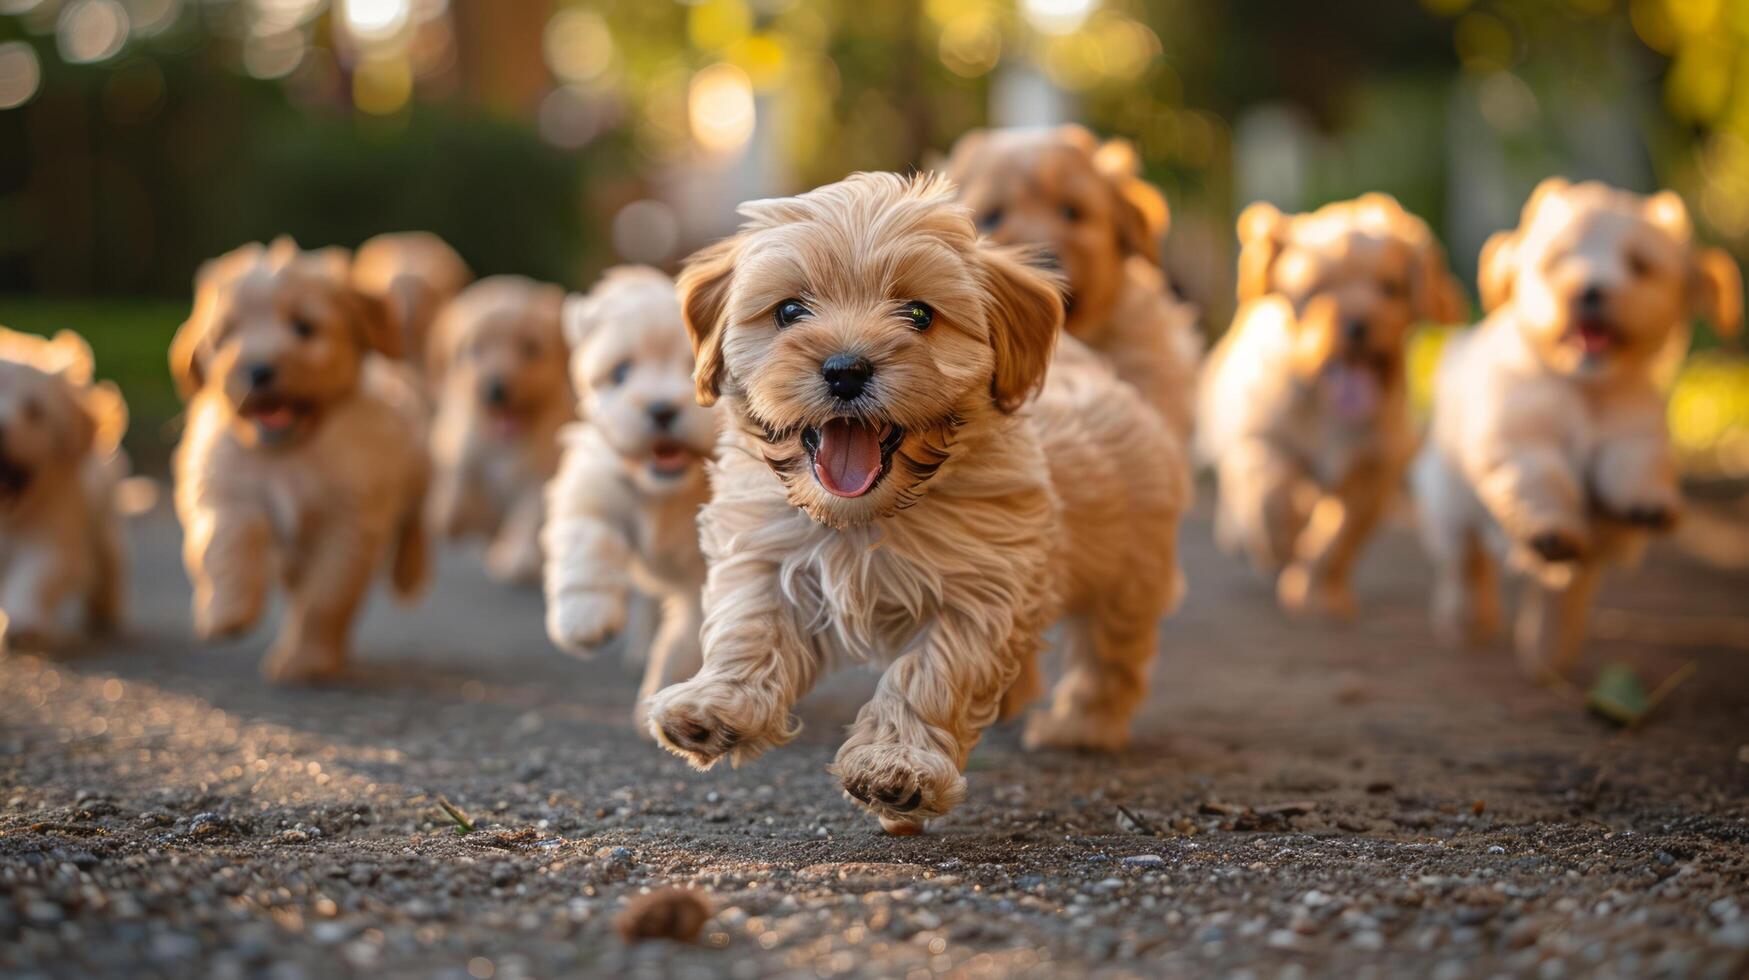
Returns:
point(675, 655)
point(105, 598)
point(1317, 582)
point(757, 664)
point(37, 584)
point(1027, 686)
point(514, 555)
point(911, 740)
point(1466, 591)
point(1550, 632)
point(588, 573)
point(326, 590)
point(1634, 478)
point(455, 505)
point(1259, 513)
point(226, 552)
point(1107, 655)
point(1537, 498)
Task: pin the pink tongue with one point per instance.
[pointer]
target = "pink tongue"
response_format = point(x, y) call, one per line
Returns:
point(276, 419)
point(848, 458)
point(1355, 392)
point(1594, 340)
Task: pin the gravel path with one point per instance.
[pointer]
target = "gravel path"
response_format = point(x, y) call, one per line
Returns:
point(1299, 801)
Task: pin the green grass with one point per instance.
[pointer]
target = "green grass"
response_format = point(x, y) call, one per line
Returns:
point(130, 339)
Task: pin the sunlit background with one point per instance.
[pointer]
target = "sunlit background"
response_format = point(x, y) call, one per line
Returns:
point(138, 137)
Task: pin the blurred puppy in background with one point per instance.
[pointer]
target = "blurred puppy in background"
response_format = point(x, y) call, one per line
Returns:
point(891, 491)
point(503, 394)
point(1086, 205)
point(60, 463)
point(1303, 410)
point(1549, 446)
point(622, 514)
point(415, 274)
point(304, 452)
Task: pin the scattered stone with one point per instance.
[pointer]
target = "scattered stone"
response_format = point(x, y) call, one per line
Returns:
point(669, 913)
point(1144, 861)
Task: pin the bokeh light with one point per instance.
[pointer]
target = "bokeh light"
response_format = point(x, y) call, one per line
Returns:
point(720, 108)
point(646, 231)
point(20, 74)
point(1056, 16)
point(579, 46)
point(91, 31)
point(382, 87)
point(153, 17)
point(375, 19)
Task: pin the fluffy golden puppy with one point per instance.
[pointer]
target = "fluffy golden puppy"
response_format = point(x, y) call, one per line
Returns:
point(503, 397)
point(1303, 409)
point(60, 462)
point(304, 452)
point(415, 274)
point(1086, 205)
point(1548, 447)
point(623, 511)
point(888, 490)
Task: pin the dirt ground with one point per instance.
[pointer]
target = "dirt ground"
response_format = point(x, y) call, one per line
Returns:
point(1299, 801)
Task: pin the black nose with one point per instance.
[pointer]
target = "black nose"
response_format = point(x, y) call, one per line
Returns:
point(261, 375)
point(496, 392)
point(1047, 258)
point(663, 415)
point(1355, 331)
point(1592, 299)
point(846, 375)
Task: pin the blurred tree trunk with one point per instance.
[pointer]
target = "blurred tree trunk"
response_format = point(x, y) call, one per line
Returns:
point(499, 52)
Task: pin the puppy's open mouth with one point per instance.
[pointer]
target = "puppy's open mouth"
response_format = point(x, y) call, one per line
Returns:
point(850, 455)
point(272, 414)
point(14, 480)
point(1594, 335)
point(669, 458)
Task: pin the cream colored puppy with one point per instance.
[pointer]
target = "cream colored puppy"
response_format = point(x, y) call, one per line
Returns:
point(303, 452)
point(415, 274)
point(1303, 409)
point(503, 396)
point(1085, 203)
point(888, 490)
point(623, 511)
point(1548, 445)
point(60, 532)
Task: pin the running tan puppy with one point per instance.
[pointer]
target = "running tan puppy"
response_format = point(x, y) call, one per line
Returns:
point(415, 274)
point(303, 453)
point(503, 397)
point(60, 533)
point(1086, 204)
point(623, 511)
point(1548, 446)
point(1303, 409)
point(889, 491)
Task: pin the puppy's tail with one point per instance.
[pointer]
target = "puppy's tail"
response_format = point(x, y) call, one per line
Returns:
point(411, 570)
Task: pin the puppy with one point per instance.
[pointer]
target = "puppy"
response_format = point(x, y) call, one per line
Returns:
point(415, 274)
point(623, 511)
point(1087, 206)
point(60, 533)
point(1303, 409)
point(503, 396)
point(887, 490)
point(303, 452)
point(1548, 446)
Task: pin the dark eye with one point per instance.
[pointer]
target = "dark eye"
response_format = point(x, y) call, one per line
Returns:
point(990, 220)
point(303, 328)
point(789, 311)
point(1638, 265)
point(919, 315)
point(1071, 213)
point(1391, 288)
point(619, 372)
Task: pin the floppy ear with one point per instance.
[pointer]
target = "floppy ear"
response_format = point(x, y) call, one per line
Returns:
point(960, 156)
point(71, 357)
point(704, 292)
point(376, 326)
point(1438, 297)
point(1262, 227)
point(1716, 290)
point(578, 318)
point(1024, 309)
point(109, 412)
point(1494, 270)
point(186, 368)
point(1143, 214)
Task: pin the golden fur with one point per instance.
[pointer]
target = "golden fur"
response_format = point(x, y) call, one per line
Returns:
point(1061, 189)
point(415, 274)
point(499, 354)
point(992, 514)
point(1548, 445)
point(303, 452)
point(623, 510)
point(60, 461)
point(1303, 410)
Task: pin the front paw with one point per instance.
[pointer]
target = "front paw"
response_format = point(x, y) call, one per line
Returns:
point(704, 719)
point(219, 616)
point(513, 564)
point(1649, 515)
point(903, 785)
point(293, 666)
point(1557, 546)
point(1301, 592)
point(581, 623)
